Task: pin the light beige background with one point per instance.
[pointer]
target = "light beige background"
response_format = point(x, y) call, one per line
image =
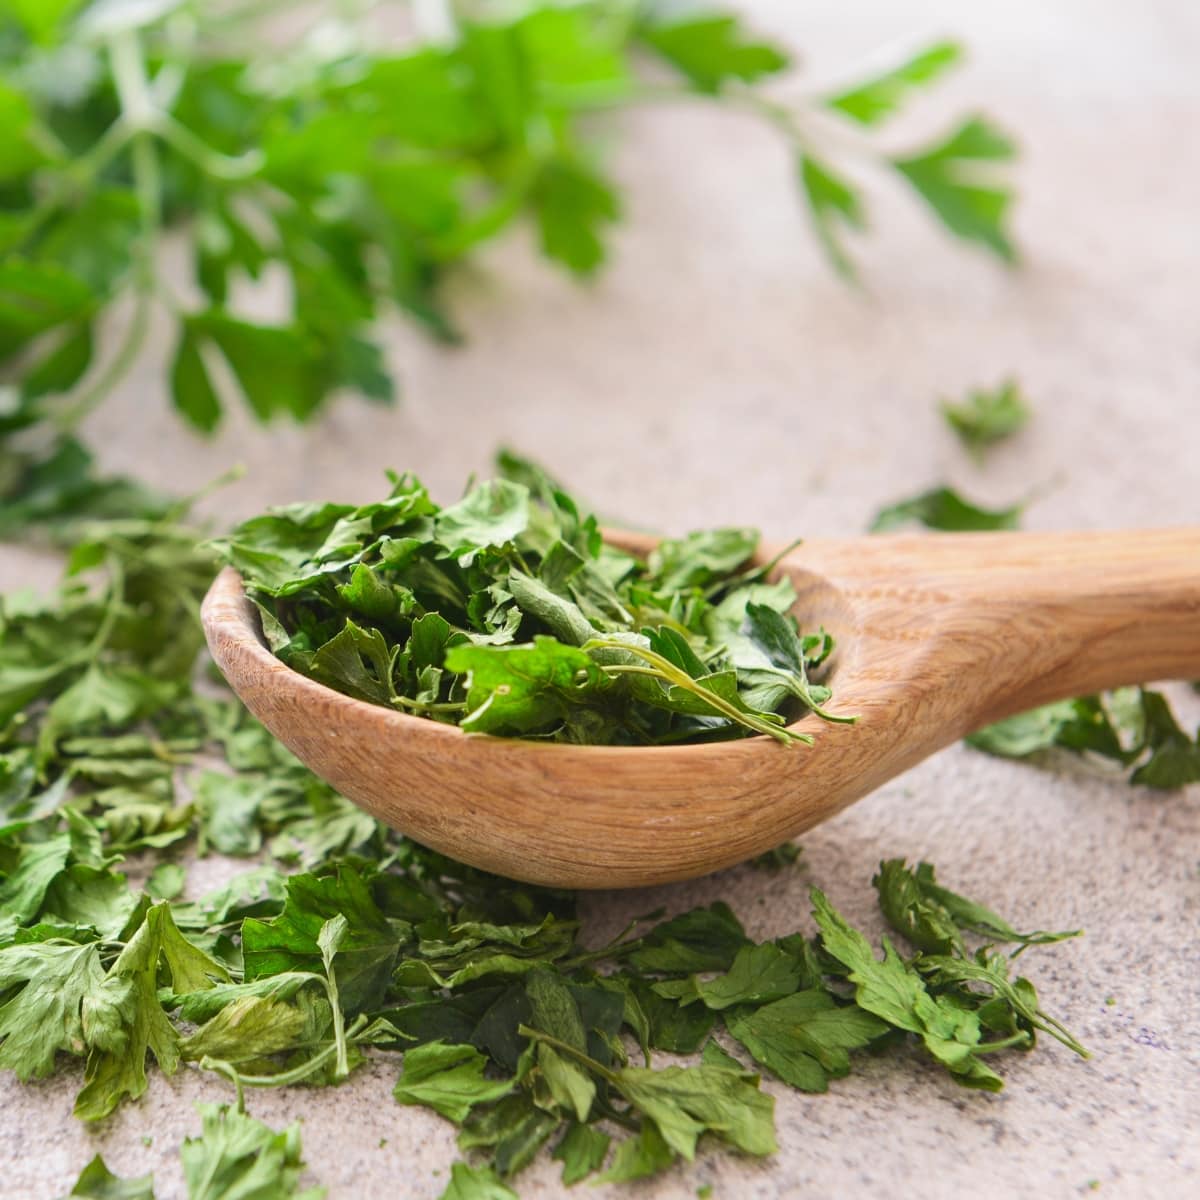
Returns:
point(718, 372)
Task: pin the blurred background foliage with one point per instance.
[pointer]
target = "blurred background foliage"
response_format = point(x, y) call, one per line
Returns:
point(351, 155)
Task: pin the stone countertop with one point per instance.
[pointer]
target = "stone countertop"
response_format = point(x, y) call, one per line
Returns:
point(718, 373)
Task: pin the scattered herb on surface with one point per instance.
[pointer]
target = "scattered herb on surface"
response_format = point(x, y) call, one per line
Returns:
point(943, 509)
point(507, 613)
point(342, 940)
point(1133, 727)
point(234, 1156)
point(988, 416)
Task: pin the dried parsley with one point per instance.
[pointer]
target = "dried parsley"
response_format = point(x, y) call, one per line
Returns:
point(507, 613)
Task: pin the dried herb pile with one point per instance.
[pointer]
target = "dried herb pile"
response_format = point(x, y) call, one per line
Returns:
point(342, 940)
point(508, 614)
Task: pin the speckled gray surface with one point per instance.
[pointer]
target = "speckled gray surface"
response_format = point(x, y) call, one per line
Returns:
point(718, 373)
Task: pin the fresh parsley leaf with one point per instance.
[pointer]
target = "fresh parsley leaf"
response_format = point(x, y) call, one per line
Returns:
point(879, 97)
point(573, 206)
point(953, 178)
point(712, 50)
point(833, 203)
point(359, 180)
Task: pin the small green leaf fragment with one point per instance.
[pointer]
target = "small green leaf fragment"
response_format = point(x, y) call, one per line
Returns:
point(581, 1151)
point(988, 416)
point(476, 1183)
point(945, 510)
point(97, 1182)
point(448, 1079)
point(192, 391)
point(237, 1156)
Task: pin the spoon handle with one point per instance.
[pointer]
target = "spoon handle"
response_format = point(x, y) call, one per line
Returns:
point(1023, 619)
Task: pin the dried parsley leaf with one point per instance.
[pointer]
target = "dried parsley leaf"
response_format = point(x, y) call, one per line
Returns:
point(944, 509)
point(987, 416)
point(933, 918)
point(582, 1150)
point(97, 1182)
point(235, 1155)
point(758, 975)
point(1134, 727)
point(448, 1079)
point(507, 614)
point(804, 1038)
point(476, 1183)
point(893, 991)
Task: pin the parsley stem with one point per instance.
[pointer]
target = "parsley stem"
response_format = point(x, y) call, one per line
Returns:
point(67, 419)
point(227, 168)
point(116, 598)
point(566, 1048)
point(295, 1075)
point(221, 1067)
point(755, 573)
point(140, 116)
point(1017, 1039)
point(422, 706)
point(670, 673)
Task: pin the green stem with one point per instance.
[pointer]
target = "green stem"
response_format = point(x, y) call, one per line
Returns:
point(116, 598)
point(342, 1067)
point(221, 1067)
point(670, 673)
point(148, 187)
point(420, 706)
point(630, 669)
point(755, 573)
point(226, 167)
point(1017, 1039)
point(284, 1078)
point(67, 419)
point(592, 1065)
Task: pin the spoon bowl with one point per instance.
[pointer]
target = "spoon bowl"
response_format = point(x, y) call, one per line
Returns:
point(937, 635)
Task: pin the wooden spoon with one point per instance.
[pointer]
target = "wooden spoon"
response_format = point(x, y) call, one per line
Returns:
point(938, 635)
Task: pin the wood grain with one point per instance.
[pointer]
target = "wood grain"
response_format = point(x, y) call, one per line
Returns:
point(938, 634)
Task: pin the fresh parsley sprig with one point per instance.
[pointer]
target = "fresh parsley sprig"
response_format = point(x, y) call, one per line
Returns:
point(358, 175)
